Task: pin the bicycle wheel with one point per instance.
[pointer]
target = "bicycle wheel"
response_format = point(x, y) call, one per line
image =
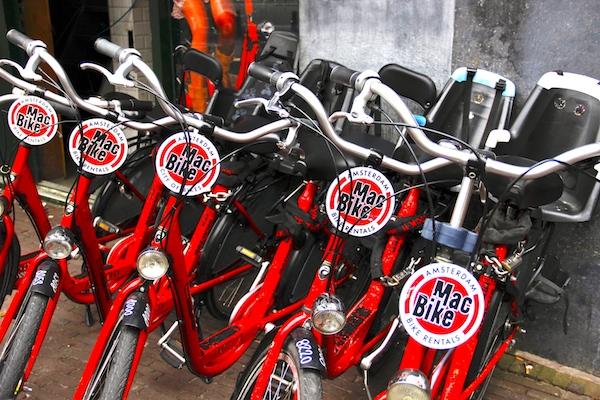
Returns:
point(17, 350)
point(288, 380)
point(220, 255)
point(112, 373)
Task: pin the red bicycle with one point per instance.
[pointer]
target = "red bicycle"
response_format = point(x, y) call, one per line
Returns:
point(442, 304)
point(143, 305)
point(44, 274)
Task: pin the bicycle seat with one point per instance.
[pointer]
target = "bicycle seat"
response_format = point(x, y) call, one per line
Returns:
point(221, 101)
point(408, 83)
point(316, 78)
point(490, 102)
point(482, 98)
point(561, 113)
point(324, 161)
point(203, 64)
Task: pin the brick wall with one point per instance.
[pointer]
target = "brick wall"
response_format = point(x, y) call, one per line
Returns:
point(135, 24)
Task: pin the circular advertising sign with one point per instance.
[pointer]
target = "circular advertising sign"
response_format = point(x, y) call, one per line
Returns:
point(360, 201)
point(102, 144)
point(32, 120)
point(188, 163)
point(441, 305)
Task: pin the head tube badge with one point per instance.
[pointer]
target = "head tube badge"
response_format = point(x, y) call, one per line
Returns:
point(441, 305)
point(360, 201)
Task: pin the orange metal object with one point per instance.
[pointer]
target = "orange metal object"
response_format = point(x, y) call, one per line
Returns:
point(197, 19)
point(223, 14)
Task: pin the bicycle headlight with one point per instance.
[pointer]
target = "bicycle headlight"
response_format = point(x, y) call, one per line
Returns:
point(409, 384)
point(328, 316)
point(152, 264)
point(58, 243)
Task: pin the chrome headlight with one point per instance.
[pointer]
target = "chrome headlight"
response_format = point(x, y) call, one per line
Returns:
point(409, 384)
point(58, 243)
point(152, 264)
point(328, 316)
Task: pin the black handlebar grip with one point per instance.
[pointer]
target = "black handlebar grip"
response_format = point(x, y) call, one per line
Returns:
point(343, 76)
point(18, 38)
point(108, 48)
point(136, 105)
point(263, 73)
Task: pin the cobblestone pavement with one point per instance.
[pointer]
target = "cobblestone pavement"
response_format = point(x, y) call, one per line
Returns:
point(69, 342)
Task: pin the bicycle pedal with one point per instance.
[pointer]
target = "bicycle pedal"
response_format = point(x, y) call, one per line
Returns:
point(171, 350)
point(250, 256)
point(106, 226)
point(171, 354)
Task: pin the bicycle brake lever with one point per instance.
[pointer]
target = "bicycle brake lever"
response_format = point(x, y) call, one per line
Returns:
point(290, 138)
point(270, 106)
point(26, 73)
point(354, 118)
point(255, 101)
point(110, 77)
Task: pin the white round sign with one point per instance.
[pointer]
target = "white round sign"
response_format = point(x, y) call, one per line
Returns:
point(441, 305)
point(32, 120)
point(102, 145)
point(188, 163)
point(360, 201)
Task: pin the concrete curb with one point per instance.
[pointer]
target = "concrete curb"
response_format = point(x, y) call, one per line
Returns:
point(56, 193)
point(541, 369)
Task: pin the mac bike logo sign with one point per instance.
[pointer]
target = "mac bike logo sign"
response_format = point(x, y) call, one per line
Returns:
point(441, 305)
point(360, 201)
point(32, 120)
point(188, 163)
point(102, 145)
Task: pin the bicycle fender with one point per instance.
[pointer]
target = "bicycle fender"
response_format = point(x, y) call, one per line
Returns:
point(136, 311)
point(46, 278)
point(310, 355)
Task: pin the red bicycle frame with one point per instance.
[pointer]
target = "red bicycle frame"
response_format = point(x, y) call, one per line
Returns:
point(218, 352)
point(99, 283)
point(23, 190)
point(347, 347)
point(450, 374)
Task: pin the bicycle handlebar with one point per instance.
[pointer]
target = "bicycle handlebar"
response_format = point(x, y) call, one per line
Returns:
point(21, 40)
point(264, 73)
point(344, 76)
point(108, 48)
point(18, 38)
point(131, 56)
point(367, 83)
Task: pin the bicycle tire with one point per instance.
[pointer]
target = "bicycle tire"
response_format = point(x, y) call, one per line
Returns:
point(309, 380)
point(20, 349)
point(120, 364)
